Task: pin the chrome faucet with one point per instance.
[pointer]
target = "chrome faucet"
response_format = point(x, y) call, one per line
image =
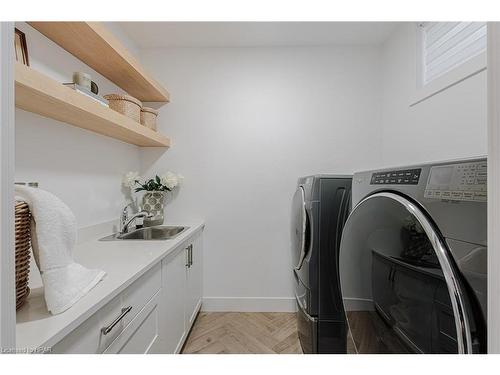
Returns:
point(125, 220)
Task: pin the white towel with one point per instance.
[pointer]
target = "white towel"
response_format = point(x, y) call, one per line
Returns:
point(53, 241)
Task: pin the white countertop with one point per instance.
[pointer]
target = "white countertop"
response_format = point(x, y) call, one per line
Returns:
point(123, 261)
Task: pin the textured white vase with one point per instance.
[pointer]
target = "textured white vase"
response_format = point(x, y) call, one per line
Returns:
point(153, 202)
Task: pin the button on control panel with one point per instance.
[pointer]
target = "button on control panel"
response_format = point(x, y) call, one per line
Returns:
point(401, 177)
point(459, 182)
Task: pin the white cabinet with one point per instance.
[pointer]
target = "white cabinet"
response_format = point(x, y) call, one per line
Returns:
point(153, 315)
point(181, 293)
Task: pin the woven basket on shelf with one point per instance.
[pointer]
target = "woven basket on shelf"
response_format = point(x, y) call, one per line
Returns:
point(23, 245)
point(148, 117)
point(126, 105)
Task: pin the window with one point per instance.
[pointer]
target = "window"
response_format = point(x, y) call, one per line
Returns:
point(447, 53)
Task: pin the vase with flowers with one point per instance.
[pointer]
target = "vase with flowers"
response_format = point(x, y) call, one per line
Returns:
point(156, 188)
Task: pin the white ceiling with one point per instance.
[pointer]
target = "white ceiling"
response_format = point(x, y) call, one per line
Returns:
point(254, 34)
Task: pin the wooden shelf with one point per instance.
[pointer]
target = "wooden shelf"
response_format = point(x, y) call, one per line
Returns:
point(35, 92)
point(93, 44)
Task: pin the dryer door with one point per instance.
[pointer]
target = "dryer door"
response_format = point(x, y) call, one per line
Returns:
point(400, 287)
point(299, 228)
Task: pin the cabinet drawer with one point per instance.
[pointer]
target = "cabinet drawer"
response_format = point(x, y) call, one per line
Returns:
point(142, 334)
point(141, 291)
point(89, 338)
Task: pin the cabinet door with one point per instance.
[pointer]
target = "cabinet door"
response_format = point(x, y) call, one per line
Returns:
point(194, 281)
point(173, 329)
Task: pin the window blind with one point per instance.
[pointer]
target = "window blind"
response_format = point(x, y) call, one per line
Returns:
point(446, 45)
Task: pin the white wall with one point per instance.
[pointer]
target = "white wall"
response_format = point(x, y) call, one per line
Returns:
point(451, 124)
point(246, 123)
point(124, 38)
point(82, 168)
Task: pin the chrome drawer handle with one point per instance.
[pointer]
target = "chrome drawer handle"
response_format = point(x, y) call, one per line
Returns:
point(125, 311)
point(190, 255)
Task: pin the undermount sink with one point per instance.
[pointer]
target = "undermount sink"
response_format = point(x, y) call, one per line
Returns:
point(157, 233)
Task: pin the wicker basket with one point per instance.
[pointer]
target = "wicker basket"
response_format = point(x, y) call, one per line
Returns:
point(148, 117)
point(23, 245)
point(126, 105)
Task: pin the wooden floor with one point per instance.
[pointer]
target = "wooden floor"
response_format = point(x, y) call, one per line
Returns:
point(239, 333)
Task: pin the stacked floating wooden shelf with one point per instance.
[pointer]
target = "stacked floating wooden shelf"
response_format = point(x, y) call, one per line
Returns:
point(95, 46)
point(35, 92)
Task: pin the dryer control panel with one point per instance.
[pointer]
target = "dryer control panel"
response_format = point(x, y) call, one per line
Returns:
point(400, 177)
point(460, 182)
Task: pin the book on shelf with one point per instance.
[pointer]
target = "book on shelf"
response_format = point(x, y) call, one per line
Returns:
point(87, 92)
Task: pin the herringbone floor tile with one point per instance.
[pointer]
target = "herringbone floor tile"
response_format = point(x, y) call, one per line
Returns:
point(231, 332)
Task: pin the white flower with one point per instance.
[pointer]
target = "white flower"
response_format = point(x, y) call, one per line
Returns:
point(129, 179)
point(170, 180)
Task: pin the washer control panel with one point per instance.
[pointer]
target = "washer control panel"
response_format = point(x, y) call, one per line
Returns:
point(460, 182)
point(401, 177)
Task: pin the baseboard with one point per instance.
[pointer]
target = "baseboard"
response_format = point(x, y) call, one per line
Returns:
point(249, 304)
point(271, 304)
point(358, 304)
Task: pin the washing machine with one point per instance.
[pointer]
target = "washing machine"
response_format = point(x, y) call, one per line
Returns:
point(413, 259)
point(320, 208)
